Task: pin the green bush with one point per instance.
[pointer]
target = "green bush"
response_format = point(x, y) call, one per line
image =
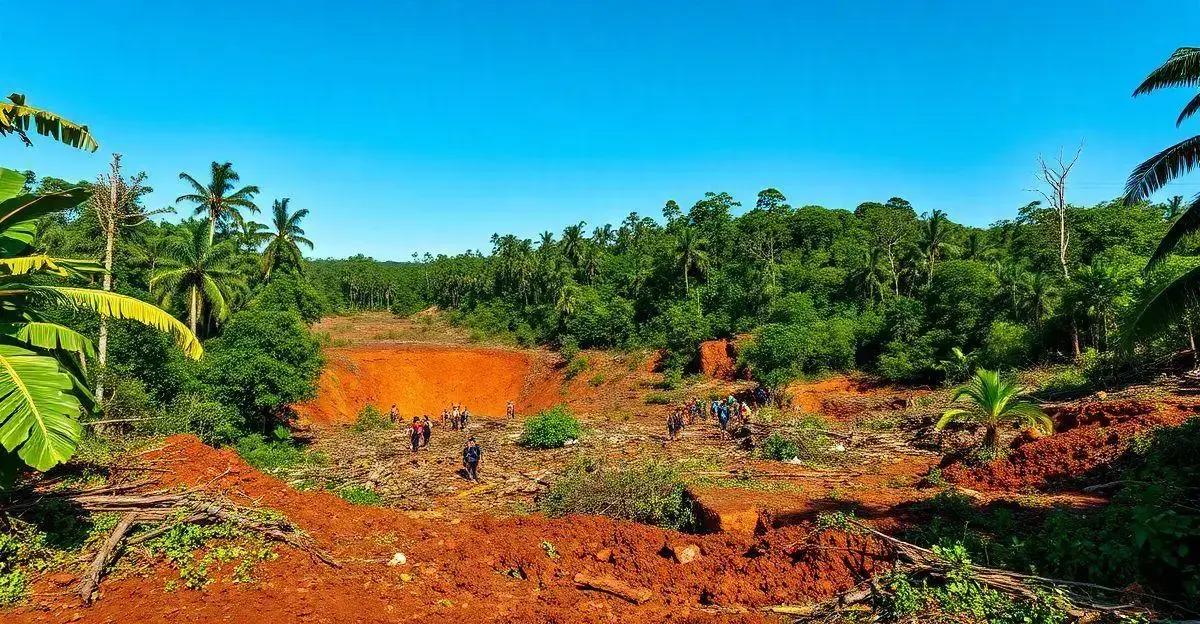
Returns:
point(551, 429)
point(1007, 345)
point(658, 398)
point(577, 365)
point(649, 493)
point(275, 455)
point(359, 495)
point(599, 318)
point(371, 419)
point(126, 398)
point(288, 293)
point(263, 362)
point(211, 421)
point(778, 448)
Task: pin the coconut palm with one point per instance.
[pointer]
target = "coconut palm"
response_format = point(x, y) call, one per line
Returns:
point(41, 385)
point(994, 401)
point(206, 274)
point(690, 254)
point(251, 235)
point(16, 117)
point(934, 241)
point(1181, 69)
point(218, 200)
point(284, 246)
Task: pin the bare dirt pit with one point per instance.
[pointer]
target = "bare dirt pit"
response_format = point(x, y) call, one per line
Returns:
point(425, 379)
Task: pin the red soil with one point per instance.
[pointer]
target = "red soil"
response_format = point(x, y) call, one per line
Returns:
point(425, 379)
point(456, 570)
point(718, 359)
point(1088, 437)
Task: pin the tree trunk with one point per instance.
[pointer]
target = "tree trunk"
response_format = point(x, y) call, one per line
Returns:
point(193, 303)
point(989, 437)
point(1075, 339)
point(110, 241)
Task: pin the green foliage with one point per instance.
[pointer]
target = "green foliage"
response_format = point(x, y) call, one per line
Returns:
point(275, 455)
point(647, 492)
point(211, 421)
point(807, 344)
point(263, 362)
point(194, 550)
point(551, 428)
point(360, 495)
point(371, 419)
point(599, 319)
point(1007, 345)
point(290, 293)
point(577, 365)
point(778, 448)
point(994, 400)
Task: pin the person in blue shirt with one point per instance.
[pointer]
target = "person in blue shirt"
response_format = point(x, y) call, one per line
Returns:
point(472, 455)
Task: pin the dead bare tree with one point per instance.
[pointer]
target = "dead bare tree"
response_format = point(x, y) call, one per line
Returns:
point(115, 201)
point(1052, 186)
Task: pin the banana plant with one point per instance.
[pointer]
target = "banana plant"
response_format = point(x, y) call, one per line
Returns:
point(42, 391)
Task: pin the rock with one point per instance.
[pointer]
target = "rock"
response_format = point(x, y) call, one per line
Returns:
point(604, 554)
point(684, 553)
point(1101, 395)
point(406, 577)
point(614, 586)
point(398, 559)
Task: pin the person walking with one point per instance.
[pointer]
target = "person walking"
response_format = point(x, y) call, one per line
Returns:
point(394, 415)
point(426, 430)
point(463, 418)
point(472, 455)
point(414, 434)
point(510, 410)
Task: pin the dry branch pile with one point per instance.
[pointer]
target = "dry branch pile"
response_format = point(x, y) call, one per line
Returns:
point(158, 511)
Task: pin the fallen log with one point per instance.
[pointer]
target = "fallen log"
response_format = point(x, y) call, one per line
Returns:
point(106, 554)
point(614, 586)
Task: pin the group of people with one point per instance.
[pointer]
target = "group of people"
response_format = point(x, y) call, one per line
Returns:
point(728, 412)
point(456, 417)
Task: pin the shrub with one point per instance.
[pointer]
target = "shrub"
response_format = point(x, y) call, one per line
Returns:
point(359, 495)
point(288, 293)
point(1007, 345)
point(597, 380)
point(599, 318)
point(648, 493)
point(577, 365)
point(778, 448)
point(658, 398)
point(551, 429)
point(275, 455)
point(211, 421)
point(263, 362)
point(126, 398)
point(371, 419)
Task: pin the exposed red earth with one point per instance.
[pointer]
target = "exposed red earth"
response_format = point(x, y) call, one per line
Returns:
point(475, 569)
point(1088, 437)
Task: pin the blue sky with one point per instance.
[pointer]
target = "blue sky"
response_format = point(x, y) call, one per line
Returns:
point(427, 126)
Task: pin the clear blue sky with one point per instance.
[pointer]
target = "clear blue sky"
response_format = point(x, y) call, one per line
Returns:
point(428, 126)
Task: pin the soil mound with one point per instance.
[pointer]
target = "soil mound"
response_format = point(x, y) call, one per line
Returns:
point(481, 569)
point(1088, 438)
point(718, 359)
point(425, 379)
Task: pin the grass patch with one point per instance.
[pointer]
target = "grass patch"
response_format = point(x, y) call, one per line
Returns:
point(804, 439)
point(649, 493)
point(197, 551)
point(658, 398)
point(276, 455)
point(551, 428)
point(359, 495)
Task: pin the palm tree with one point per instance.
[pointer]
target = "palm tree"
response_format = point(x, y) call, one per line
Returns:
point(873, 275)
point(1039, 296)
point(251, 235)
point(1181, 69)
point(994, 401)
point(205, 273)
point(572, 243)
point(284, 247)
point(977, 247)
point(218, 200)
point(1173, 208)
point(42, 381)
point(933, 241)
point(16, 115)
point(690, 254)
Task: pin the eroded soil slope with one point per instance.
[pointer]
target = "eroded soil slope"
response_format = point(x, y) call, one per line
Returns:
point(424, 379)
